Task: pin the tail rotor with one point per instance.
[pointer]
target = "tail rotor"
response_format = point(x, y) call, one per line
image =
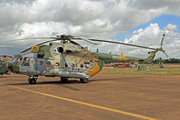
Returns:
point(162, 41)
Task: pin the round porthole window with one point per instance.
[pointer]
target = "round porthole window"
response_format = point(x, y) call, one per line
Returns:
point(60, 49)
point(81, 65)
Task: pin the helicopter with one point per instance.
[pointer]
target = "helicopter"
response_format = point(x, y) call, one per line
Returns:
point(68, 59)
point(3, 69)
point(3, 62)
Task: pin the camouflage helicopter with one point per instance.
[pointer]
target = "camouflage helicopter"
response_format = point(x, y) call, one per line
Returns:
point(3, 68)
point(3, 61)
point(67, 59)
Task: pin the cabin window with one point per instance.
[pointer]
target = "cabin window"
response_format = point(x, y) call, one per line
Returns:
point(81, 65)
point(48, 63)
point(86, 62)
point(40, 55)
point(41, 62)
point(66, 65)
point(57, 63)
point(73, 65)
point(26, 61)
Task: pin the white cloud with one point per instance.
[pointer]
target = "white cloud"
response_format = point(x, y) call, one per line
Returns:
point(145, 36)
point(149, 37)
point(170, 27)
point(87, 18)
point(41, 29)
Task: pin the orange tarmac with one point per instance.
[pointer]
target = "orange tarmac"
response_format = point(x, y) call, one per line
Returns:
point(106, 97)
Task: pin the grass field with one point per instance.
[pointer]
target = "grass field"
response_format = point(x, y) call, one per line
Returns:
point(146, 69)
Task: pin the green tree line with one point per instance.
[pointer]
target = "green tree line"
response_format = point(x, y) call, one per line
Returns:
point(173, 60)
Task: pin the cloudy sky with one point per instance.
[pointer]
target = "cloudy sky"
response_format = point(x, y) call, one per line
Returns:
point(141, 22)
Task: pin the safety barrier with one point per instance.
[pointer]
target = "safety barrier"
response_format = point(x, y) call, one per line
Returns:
point(142, 70)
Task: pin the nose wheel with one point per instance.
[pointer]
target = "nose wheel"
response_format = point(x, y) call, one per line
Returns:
point(84, 80)
point(32, 79)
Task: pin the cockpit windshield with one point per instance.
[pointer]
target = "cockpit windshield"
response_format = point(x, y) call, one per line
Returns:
point(18, 61)
point(14, 59)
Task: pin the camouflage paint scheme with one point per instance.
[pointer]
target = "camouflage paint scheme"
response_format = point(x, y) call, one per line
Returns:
point(3, 62)
point(65, 60)
point(3, 68)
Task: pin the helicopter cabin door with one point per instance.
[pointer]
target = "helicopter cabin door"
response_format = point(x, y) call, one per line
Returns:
point(25, 65)
point(41, 65)
point(29, 66)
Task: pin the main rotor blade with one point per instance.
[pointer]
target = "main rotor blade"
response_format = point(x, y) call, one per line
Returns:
point(123, 44)
point(38, 45)
point(87, 40)
point(75, 43)
point(28, 38)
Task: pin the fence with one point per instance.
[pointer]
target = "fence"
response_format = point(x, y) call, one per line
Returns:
point(168, 69)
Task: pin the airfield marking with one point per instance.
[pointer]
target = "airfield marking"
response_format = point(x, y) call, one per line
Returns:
point(83, 103)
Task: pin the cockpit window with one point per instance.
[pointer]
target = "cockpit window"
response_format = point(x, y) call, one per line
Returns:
point(18, 61)
point(14, 59)
point(26, 61)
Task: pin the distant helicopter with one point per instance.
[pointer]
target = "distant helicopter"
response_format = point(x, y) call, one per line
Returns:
point(68, 59)
point(3, 62)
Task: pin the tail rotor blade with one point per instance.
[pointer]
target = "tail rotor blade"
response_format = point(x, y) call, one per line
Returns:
point(167, 55)
point(162, 40)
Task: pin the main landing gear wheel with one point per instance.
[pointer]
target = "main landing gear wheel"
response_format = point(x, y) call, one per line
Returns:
point(32, 81)
point(84, 80)
point(63, 79)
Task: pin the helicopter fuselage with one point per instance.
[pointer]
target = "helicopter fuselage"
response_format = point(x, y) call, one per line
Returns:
point(62, 60)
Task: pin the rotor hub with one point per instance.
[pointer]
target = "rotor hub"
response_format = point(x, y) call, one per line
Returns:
point(64, 37)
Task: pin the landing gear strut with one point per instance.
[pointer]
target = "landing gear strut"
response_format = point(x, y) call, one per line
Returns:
point(32, 79)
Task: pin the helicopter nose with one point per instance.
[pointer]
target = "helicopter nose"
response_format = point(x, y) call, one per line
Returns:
point(13, 68)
